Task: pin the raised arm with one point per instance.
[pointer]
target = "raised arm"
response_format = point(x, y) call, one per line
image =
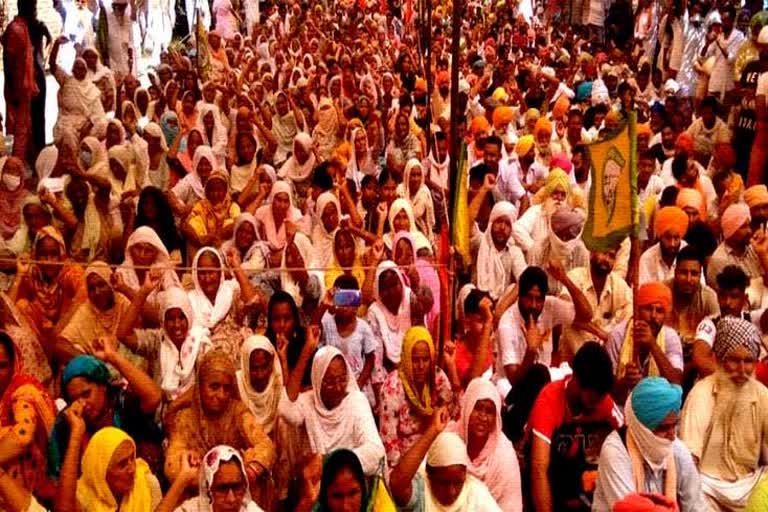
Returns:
point(484, 344)
point(66, 492)
point(129, 321)
point(249, 293)
point(477, 202)
point(582, 307)
point(149, 394)
point(293, 386)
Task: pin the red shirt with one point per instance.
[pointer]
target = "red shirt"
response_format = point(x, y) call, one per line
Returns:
point(464, 360)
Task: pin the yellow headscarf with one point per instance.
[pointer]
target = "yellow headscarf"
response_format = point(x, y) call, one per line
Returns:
point(92, 487)
point(413, 336)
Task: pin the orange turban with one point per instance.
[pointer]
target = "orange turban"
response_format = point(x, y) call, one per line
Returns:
point(502, 115)
point(644, 129)
point(756, 195)
point(420, 85)
point(669, 218)
point(479, 127)
point(685, 142)
point(655, 292)
point(543, 125)
point(691, 198)
point(562, 105)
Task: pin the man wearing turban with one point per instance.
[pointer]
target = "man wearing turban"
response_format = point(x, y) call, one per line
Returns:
point(725, 418)
point(647, 457)
point(683, 171)
point(737, 247)
point(644, 346)
point(657, 263)
point(756, 198)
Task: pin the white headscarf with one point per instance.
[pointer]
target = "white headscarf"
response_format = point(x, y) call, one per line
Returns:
point(207, 313)
point(399, 205)
point(201, 152)
point(322, 240)
point(258, 245)
point(357, 170)
point(147, 235)
point(210, 466)
point(276, 234)
point(263, 404)
point(393, 326)
point(292, 169)
point(421, 199)
point(177, 365)
point(287, 283)
point(491, 275)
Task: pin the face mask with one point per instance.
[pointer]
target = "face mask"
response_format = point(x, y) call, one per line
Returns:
point(11, 182)
point(85, 156)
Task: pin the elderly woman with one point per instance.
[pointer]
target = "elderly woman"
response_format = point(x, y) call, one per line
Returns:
point(491, 456)
point(47, 292)
point(401, 219)
point(725, 418)
point(445, 482)
point(222, 483)
point(287, 122)
point(212, 414)
point(327, 132)
point(335, 413)
point(415, 190)
point(327, 218)
point(97, 317)
point(403, 146)
point(80, 106)
point(175, 348)
point(88, 387)
point(105, 484)
point(411, 393)
point(297, 170)
point(211, 220)
point(26, 420)
point(191, 188)
point(646, 456)
point(219, 304)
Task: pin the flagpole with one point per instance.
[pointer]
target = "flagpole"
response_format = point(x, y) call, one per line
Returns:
point(634, 253)
point(454, 150)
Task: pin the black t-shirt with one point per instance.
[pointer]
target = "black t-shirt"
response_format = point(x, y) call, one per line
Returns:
point(747, 116)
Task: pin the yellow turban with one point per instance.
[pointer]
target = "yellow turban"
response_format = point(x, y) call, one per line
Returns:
point(500, 95)
point(502, 115)
point(532, 113)
point(756, 195)
point(671, 218)
point(556, 179)
point(524, 145)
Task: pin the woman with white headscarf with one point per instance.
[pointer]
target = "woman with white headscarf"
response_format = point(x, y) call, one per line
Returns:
point(286, 124)
point(214, 132)
point(326, 133)
point(273, 216)
point(305, 286)
point(79, 102)
point(414, 189)
point(158, 171)
point(173, 349)
point(389, 315)
point(499, 262)
point(260, 381)
point(335, 413)
point(191, 188)
point(245, 240)
point(214, 491)
point(297, 170)
point(401, 219)
point(327, 217)
point(491, 456)
point(433, 486)
point(361, 162)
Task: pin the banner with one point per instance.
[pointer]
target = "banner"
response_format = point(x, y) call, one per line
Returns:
point(460, 228)
point(203, 52)
point(613, 205)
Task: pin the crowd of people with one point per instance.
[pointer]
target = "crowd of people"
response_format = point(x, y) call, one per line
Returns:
point(228, 282)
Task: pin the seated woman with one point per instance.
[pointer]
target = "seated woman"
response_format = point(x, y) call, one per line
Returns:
point(245, 240)
point(345, 259)
point(444, 482)
point(86, 384)
point(246, 162)
point(343, 485)
point(222, 483)
point(212, 220)
point(274, 219)
point(335, 413)
point(297, 170)
point(637, 458)
point(145, 249)
point(725, 418)
point(491, 456)
point(155, 212)
point(173, 350)
point(414, 189)
point(113, 477)
point(34, 216)
point(48, 293)
point(306, 287)
point(212, 414)
point(33, 359)
point(327, 217)
point(390, 313)
point(401, 219)
point(158, 170)
point(97, 317)
point(284, 328)
point(191, 188)
point(88, 224)
point(420, 277)
point(219, 304)
point(411, 393)
point(26, 419)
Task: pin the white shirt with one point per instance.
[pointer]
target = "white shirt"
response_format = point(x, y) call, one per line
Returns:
point(652, 266)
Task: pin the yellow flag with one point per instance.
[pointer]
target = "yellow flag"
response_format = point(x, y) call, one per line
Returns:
point(460, 227)
point(613, 204)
